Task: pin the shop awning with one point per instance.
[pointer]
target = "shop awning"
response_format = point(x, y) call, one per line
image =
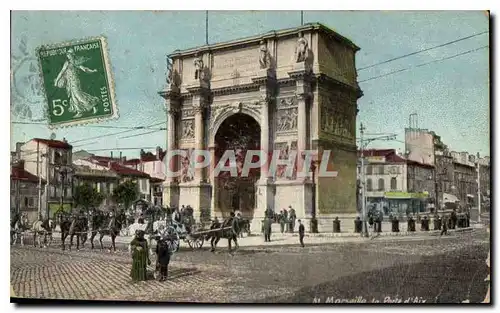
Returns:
point(406, 195)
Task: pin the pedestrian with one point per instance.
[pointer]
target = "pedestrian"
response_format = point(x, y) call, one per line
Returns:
point(281, 218)
point(301, 233)
point(163, 252)
point(444, 226)
point(292, 218)
point(140, 257)
point(267, 229)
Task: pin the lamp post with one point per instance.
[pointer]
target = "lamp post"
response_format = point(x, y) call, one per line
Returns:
point(314, 222)
point(63, 172)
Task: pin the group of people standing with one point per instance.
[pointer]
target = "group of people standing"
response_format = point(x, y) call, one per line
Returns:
point(165, 247)
point(286, 219)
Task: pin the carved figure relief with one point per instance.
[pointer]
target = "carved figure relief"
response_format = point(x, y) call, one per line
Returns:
point(265, 56)
point(302, 49)
point(285, 149)
point(198, 67)
point(287, 120)
point(187, 171)
point(187, 128)
point(337, 119)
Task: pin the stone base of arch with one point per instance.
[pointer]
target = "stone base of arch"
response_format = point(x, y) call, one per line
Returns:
point(197, 195)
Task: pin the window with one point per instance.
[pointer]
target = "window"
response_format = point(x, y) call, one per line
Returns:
point(52, 191)
point(381, 184)
point(25, 202)
point(369, 186)
point(381, 170)
point(369, 170)
point(394, 184)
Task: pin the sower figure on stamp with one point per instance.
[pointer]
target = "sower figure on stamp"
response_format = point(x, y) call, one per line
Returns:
point(140, 257)
point(301, 233)
point(79, 101)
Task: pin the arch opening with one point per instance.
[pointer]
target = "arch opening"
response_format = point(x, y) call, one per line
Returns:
point(238, 133)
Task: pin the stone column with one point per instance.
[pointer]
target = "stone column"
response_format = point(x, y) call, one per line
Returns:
point(264, 197)
point(170, 187)
point(300, 74)
point(199, 135)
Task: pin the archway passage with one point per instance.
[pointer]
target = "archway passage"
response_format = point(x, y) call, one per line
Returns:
point(238, 133)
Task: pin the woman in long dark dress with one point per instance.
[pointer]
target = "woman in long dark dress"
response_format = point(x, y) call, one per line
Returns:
point(140, 257)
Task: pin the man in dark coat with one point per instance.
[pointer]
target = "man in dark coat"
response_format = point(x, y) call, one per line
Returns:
point(444, 225)
point(267, 229)
point(301, 233)
point(291, 218)
point(163, 251)
point(281, 219)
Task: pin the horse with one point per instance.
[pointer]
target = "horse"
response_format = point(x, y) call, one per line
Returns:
point(106, 226)
point(71, 227)
point(19, 225)
point(230, 234)
point(43, 228)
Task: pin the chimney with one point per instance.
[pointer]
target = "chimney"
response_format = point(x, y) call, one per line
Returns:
point(121, 157)
point(111, 154)
point(64, 140)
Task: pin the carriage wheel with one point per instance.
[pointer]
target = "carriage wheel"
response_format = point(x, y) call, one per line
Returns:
point(190, 243)
point(198, 242)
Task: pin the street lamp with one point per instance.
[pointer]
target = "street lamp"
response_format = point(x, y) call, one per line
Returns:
point(314, 222)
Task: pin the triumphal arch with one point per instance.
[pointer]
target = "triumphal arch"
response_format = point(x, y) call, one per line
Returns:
point(288, 90)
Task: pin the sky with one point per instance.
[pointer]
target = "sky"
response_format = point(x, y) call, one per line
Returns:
point(451, 97)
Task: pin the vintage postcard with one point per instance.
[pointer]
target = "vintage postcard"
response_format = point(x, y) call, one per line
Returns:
point(320, 157)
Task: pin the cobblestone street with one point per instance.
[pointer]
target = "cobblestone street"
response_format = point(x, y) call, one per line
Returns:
point(451, 268)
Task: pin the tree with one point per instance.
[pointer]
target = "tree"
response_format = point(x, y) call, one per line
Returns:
point(126, 193)
point(86, 196)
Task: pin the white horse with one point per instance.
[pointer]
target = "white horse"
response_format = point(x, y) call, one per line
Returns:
point(43, 228)
point(19, 229)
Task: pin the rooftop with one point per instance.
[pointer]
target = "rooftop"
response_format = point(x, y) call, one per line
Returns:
point(271, 34)
point(54, 143)
point(18, 173)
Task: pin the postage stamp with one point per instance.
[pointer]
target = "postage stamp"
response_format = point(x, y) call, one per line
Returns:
point(77, 82)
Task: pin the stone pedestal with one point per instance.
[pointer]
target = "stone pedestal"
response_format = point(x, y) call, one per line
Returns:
point(171, 194)
point(296, 194)
point(265, 199)
point(197, 195)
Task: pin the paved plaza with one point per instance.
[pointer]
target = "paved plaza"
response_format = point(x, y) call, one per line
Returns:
point(445, 269)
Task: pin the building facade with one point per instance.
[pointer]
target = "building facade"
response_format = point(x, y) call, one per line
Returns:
point(288, 90)
point(52, 161)
point(24, 188)
point(465, 178)
point(395, 185)
point(105, 174)
point(154, 166)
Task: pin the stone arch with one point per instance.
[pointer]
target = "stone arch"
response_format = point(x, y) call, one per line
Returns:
point(222, 116)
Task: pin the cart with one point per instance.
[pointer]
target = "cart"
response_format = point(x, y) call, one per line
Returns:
point(196, 239)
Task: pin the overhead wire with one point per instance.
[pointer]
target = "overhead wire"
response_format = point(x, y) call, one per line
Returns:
point(130, 129)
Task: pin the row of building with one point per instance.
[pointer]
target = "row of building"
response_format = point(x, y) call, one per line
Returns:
point(45, 172)
point(424, 177)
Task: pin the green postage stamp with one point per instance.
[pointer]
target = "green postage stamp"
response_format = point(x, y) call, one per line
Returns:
point(77, 82)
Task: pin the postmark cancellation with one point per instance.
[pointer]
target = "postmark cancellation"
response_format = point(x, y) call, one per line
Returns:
point(77, 82)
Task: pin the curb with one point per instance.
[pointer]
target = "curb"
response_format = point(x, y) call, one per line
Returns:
point(381, 234)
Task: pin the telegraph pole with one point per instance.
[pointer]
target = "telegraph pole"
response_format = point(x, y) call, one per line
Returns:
point(363, 143)
point(363, 180)
point(478, 189)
